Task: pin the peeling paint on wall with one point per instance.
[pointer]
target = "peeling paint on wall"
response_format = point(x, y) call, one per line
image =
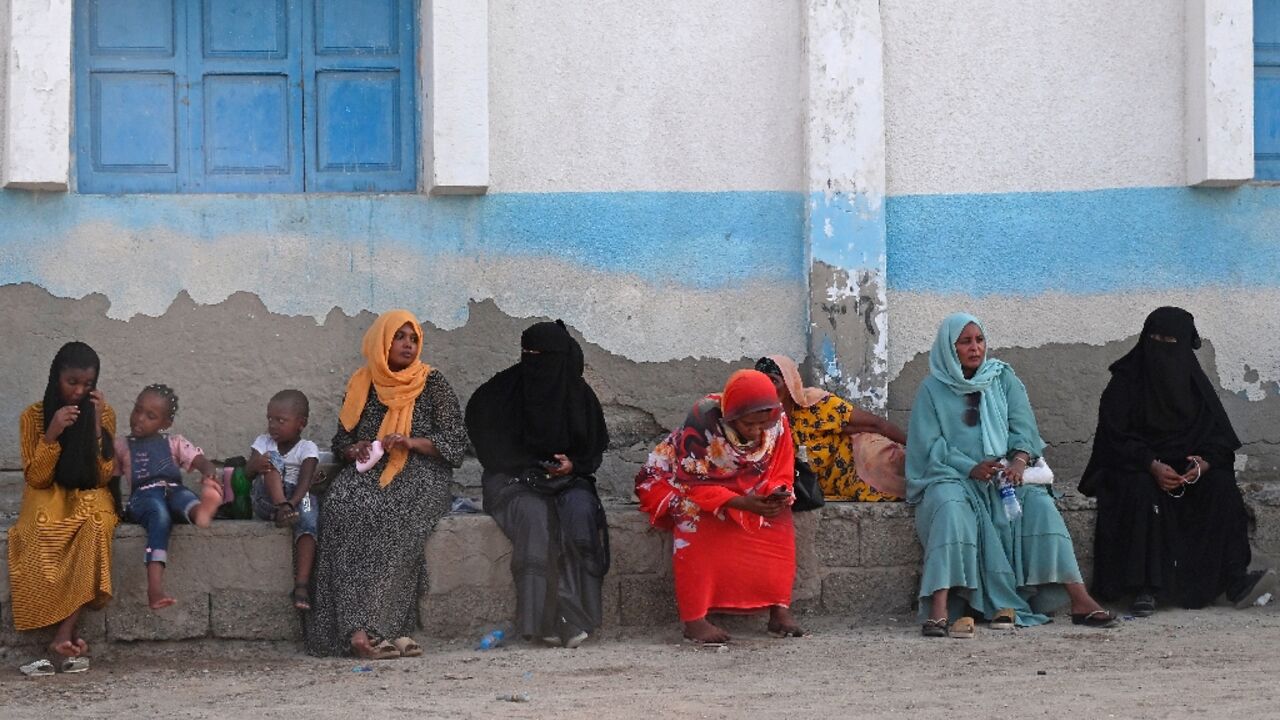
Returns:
point(846, 177)
point(651, 276)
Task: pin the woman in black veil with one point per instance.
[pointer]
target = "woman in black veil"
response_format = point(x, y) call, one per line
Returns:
point(1171, 523)
point(539, 432)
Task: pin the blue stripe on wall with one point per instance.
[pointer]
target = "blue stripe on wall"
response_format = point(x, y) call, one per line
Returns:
point(1084, 242)
point(697, 239)
point(846, 230)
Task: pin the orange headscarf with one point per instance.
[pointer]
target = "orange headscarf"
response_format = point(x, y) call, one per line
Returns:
point(397, 390)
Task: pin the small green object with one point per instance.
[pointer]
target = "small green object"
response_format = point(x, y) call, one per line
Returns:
point(241, 507)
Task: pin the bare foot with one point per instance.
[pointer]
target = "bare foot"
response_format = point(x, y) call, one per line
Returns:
point(210, 499)
point(702, 631)
point(65, 648)
point(158, 599)
point(360, 645)
point(783, 623)
point(82, 647)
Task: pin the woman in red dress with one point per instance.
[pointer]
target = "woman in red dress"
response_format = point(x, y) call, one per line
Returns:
point(722, 483)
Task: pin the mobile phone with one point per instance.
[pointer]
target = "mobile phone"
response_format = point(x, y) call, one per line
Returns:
point(549, 464)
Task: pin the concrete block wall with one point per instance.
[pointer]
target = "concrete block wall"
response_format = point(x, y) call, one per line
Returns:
point(232, 580)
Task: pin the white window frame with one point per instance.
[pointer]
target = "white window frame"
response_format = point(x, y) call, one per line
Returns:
point(453, 72)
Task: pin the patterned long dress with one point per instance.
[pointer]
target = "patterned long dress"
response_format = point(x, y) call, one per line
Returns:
point(370, 569)
point(60, 548)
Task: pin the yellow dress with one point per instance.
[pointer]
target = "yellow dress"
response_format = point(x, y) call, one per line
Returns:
point(60, 547)
point(818, 428)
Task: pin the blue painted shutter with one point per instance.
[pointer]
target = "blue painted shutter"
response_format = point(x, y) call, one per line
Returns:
point(245, 71)
point(245, 95)
point(360, 128)
point(130, 95)
point(1266, 89)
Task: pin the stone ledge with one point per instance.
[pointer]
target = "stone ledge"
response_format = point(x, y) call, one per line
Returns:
point(232, 580)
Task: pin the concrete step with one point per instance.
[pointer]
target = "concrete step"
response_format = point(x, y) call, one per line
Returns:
point(232, 580)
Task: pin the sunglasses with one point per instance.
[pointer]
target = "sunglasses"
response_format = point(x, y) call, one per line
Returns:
point(971, 415)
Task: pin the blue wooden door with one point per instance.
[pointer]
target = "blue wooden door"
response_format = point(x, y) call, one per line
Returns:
point(359, 102)
point(245, 95)
point(1266, 89)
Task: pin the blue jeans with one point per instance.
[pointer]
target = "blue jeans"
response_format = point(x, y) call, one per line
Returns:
point(308, 510)
point(155, 509)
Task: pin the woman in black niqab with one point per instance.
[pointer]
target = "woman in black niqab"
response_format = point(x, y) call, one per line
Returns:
point(1171, 523)
point(539, 432)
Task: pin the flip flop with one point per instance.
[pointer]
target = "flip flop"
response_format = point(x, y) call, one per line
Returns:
point(407, 647)
point(37, 668)
point(76, 664)
point(1006, 619)
point(1095, 619)
point(380, 649)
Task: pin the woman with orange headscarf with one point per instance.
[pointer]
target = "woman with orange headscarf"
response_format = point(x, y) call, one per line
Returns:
point(401, 416)
point(722, 483)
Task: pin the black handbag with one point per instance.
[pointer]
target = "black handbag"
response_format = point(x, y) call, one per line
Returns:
point(808, 493)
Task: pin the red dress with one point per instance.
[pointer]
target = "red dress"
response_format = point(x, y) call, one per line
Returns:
point(724, 559)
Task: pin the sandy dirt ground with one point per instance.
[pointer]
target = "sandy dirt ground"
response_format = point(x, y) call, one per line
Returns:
point(1213, 663)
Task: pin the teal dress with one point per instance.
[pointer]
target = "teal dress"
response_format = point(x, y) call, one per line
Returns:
point(989, 562)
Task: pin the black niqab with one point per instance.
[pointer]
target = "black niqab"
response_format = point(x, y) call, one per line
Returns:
point(1159, 403)
point(539, 407)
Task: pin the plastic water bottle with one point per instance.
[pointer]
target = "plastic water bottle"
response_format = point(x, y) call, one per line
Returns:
point(1012, 508)
point(491, 640)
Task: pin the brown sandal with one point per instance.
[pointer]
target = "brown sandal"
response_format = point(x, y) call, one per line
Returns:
point(934, 627)
point(963, 629)
point(407, 647)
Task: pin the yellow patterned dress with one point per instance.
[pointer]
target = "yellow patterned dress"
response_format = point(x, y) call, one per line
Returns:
point(818, 428)
point(60, 548)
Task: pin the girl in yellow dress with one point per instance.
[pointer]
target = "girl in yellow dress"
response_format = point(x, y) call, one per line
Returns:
point(856, 455)
point(60, 547)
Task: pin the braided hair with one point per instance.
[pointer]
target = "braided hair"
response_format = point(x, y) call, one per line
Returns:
point(77, 467)
point(167, 394)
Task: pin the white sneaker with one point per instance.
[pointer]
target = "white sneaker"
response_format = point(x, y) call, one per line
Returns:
point(576, 641)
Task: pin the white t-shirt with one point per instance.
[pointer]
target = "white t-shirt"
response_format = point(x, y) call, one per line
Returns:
point(302, 450)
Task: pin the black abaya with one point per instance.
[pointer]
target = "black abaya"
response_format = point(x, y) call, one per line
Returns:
point(1160, 406)
point(523, 416)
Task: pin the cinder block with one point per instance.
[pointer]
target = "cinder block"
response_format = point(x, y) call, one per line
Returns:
point(1080, 523)
point(129, 618)
point(91, 626)
point(611, 602)
point(837, 536)
point(888, 541)
point(466, 611)
point(11, 484)
point(468, 551)
point(636, 547)
point(808, 582)
point(254, 615)
point(647, 600)
point(1266, 533)
point(871, 591)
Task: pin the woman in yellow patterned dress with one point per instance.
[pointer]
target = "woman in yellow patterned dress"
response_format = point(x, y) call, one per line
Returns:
point(60, 547)
point(856, 455)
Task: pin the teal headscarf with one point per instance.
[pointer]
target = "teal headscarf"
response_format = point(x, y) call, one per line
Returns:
point(993, 410)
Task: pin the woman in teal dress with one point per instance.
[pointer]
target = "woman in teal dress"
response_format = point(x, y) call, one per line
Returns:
point(971, 413)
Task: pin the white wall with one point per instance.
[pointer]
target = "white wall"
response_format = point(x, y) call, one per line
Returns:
point(660, 95)
point(4, 76)
point(1008, 95)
